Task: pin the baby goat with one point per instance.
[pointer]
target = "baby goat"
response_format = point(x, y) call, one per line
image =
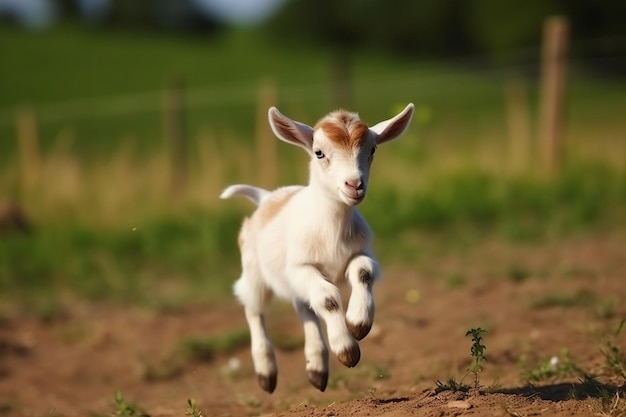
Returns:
point(302, 240)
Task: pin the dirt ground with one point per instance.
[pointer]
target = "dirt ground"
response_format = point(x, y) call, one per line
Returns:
point(535, 301)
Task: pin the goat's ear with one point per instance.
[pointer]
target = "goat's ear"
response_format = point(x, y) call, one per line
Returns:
point(394, 127)
point(289, 130)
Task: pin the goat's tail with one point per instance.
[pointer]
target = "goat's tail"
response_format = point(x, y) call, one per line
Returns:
point(254, 194)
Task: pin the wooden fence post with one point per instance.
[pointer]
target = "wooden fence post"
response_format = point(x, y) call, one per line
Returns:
point(266, 143)
point(176, 134)
point(28, 146)
point(552, 94)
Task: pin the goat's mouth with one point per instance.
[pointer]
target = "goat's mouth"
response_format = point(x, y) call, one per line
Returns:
point(352, 197)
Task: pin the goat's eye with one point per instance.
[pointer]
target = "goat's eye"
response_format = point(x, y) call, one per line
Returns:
point(319, 154)
point(373, 150)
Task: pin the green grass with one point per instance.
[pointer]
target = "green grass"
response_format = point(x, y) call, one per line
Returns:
point(191, 254)
point(107, 227)
point(520, 208)
point(138, 264)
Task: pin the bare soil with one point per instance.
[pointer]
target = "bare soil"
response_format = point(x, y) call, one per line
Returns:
point(534, 300)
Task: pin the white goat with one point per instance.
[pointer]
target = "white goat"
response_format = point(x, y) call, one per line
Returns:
point(302, 240)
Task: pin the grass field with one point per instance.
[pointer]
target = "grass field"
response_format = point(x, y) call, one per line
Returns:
point(102, 206)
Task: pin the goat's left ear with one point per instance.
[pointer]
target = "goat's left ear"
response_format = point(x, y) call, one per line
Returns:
point(394, 127)
point(289, 130)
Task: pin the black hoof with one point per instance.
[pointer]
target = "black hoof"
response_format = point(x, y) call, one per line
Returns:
point(268, 383)
point(351, 356)
point(359, 331)
point(318, 379)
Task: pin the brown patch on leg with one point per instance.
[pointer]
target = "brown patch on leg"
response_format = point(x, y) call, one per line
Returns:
point(331, 305)
point(366, 277)
point(267, 382)
point(318, 379)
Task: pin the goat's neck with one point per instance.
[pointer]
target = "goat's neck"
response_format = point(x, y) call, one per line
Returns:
point(328, 205)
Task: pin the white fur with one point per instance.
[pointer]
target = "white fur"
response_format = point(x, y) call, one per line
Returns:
point(302, 240)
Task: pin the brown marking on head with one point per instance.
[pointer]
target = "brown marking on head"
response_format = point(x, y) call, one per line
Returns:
point(344, 129)
point(268, 210)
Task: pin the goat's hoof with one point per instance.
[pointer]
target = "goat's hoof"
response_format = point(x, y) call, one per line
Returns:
point(350, 356)
point(267, 382)
point(359, 331)
point(318, 379)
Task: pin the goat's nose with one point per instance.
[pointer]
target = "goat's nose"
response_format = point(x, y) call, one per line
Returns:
point(356, 184)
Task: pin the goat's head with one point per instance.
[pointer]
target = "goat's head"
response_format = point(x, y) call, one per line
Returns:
point(341, 147)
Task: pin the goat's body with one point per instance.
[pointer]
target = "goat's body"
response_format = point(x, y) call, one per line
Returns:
point(302, 240)
point(273, 238)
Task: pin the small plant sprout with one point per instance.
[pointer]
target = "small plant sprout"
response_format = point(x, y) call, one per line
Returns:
point(615, 357)
point(124, 409)
point(451, 385)
point(192, 409)
point(477, 352)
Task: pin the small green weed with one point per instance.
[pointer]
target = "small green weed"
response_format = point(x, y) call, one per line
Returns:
point(615, 358)
point(124, 409)
point(477, 352)
point(555, 368)
point(451, 385)
point(192, 409)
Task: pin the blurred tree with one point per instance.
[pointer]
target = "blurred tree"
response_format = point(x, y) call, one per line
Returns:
point(166, 13)
point(426, 27)
point(492, 28)
point(179, 15)
point(499, 28)
point(599, 34)
point(338, 25)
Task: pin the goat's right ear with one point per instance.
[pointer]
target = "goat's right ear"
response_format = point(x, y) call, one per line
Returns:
point(289, 130)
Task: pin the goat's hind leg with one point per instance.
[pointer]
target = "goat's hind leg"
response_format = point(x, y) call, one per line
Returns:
point(315, 350)
point(361, 273)
point(254, 296)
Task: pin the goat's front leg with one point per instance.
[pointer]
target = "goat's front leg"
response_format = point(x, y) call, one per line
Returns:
point(361, 273)
point(325, 301)
point(315, 350)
